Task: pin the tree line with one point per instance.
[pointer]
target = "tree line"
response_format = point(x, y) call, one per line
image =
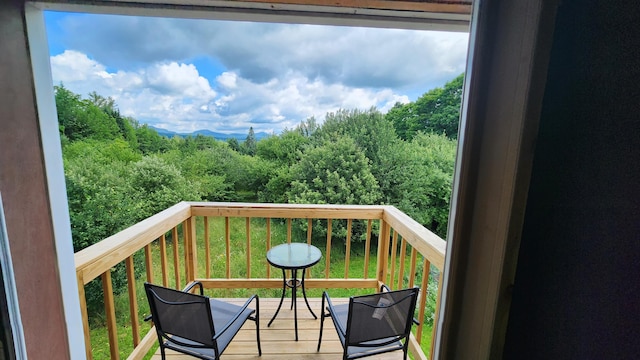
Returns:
point(119, 171)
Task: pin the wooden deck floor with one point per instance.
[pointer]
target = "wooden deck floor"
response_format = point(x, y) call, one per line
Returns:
point(278, 340)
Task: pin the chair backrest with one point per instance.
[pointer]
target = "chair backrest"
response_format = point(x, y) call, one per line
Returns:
point(383, 316)
point(181, 314)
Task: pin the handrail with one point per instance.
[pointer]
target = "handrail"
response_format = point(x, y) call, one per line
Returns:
point(102, 256)
point(397, 232)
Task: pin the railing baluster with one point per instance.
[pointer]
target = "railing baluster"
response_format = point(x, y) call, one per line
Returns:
point(436, 315)
point(383, 251)
point(133, 301)
point(185, 246)
point(424, 287)
point(394, 249)
point(328, 251)
point(289, 231)
point(110, 311)
point(207, 248)
point(191, 249)
point(85, 316)
point(148, 261)
point(176, 265)
point(403, 250)
point(309, 230)
point(163, 260)
point(367, 249)
point(412, 270)
point(347, 254)
point(268, 246)
point(248, 228)
point(227, 240)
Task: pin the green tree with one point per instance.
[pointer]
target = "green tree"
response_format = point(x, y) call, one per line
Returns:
point(234, 144)
point(81, 119)
point(249, 145)
point(437, 111)
point(150, 142)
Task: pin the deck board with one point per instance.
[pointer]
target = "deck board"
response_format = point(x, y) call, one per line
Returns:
point(278, 340)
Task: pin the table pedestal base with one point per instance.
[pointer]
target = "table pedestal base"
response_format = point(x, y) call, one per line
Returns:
point(293, 284)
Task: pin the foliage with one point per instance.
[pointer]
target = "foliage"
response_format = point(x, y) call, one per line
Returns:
point(81, 119)
point(249, 144)
point(436, 111)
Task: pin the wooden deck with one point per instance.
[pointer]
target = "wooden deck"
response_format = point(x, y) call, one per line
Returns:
point(278, 340)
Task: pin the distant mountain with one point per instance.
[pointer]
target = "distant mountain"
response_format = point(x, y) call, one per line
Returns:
point(213, 134)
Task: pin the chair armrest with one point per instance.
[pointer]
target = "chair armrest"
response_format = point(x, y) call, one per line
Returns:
point(244, 307)
point(191, 285)
point(147, 318)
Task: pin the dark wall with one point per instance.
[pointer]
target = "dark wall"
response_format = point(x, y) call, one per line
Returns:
point(577, 287)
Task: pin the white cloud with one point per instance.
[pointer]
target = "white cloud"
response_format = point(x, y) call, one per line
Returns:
point(176, 97)
point(269, 76)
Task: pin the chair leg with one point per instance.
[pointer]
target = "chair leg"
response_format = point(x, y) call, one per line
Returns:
point(322, 315)
point(258, 325)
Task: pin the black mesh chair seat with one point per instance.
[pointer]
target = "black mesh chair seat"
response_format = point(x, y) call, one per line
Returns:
point(372, 324)
point(195, 324)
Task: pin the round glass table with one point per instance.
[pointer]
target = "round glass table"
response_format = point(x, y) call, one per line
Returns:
point(294, 257)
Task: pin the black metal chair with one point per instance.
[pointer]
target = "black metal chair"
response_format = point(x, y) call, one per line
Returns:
point(372, 324)
point(195, 324)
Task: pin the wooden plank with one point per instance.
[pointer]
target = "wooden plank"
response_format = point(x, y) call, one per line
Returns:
point(403, 251)
point(140, 351)
point(163, 260)
point(227, 242)
point(436, 316)
point(426, 242)
point(102, 256)
point(451, 6)
point(268, 246)
point(296, 211)
point(383, 246)
point(347, 254)
point(412, 275)
point(148, 260)
point(110, 311)
point(367, 249)
point(328, 250)
point(394, 251)
point(309, 231)
point(248, 249)
point(277, 283)
point(424, 288)
point(207, 248)
point(133, 301)
point(85, 316)
point(176, 268)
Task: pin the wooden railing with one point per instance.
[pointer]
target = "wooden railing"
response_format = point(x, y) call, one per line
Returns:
point(402, 246)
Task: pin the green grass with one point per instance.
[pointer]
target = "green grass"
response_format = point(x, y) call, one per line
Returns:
point(99, 336)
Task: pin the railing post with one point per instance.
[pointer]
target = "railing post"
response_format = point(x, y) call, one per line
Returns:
point(85, 315)
point(110, 311)
point(383, 249)
point(190, 248)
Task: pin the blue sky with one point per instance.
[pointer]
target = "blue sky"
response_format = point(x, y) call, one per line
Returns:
point(185, 75)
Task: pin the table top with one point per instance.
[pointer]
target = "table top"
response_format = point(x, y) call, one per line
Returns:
point(293, 256)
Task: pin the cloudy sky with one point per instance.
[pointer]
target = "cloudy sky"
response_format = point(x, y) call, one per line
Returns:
point(225, 76)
